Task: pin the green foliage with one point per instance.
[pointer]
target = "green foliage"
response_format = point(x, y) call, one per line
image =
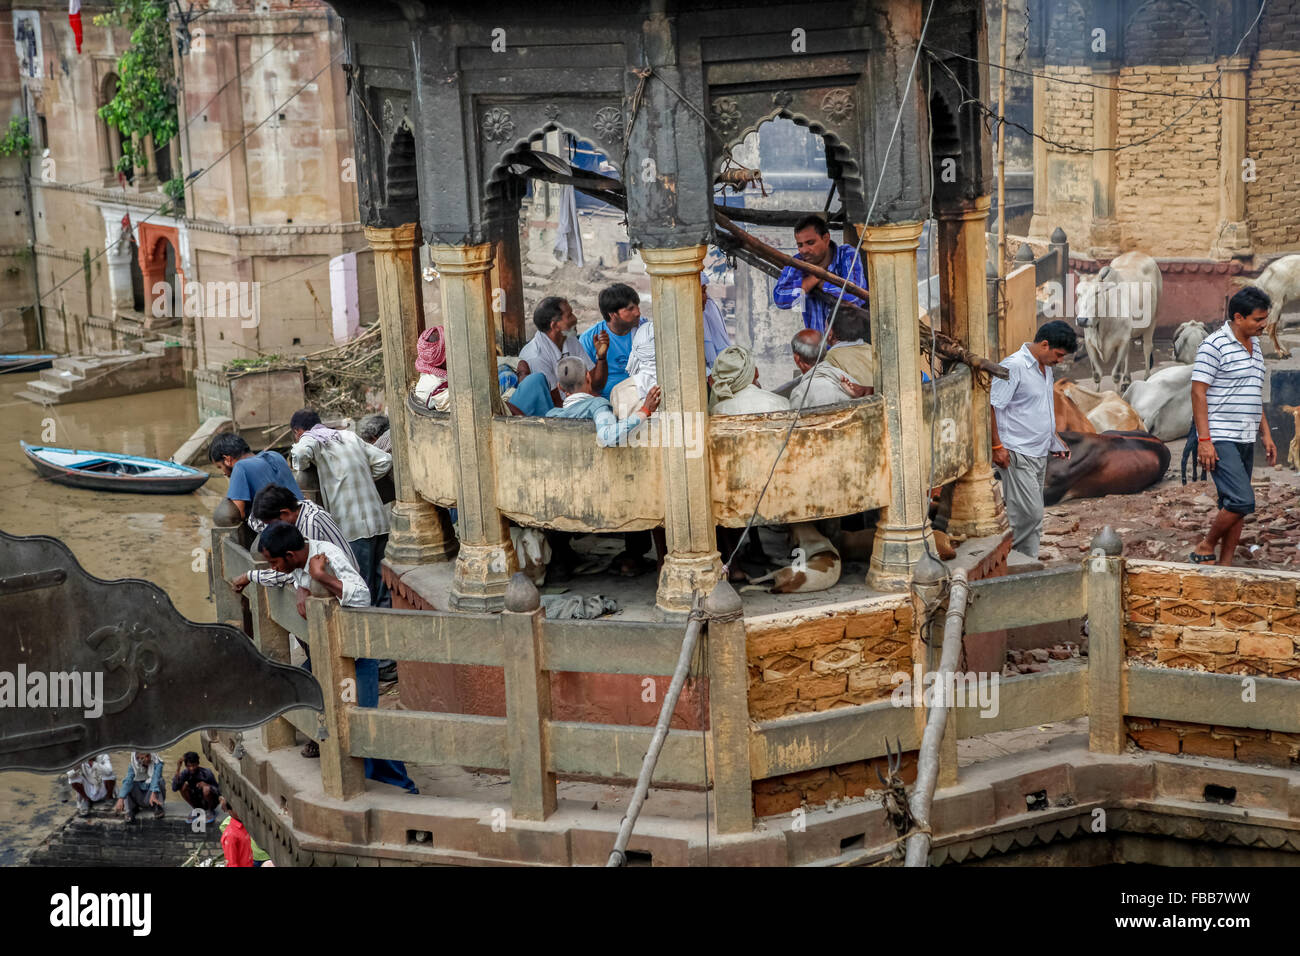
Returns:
point(17, 138)
point(145, 103)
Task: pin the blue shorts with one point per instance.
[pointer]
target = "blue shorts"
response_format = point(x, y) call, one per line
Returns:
point(1232, 476)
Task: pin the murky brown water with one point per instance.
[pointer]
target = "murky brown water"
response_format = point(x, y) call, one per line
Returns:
point(112, 536)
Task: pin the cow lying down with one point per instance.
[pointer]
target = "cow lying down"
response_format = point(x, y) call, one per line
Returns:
point(1112, 463)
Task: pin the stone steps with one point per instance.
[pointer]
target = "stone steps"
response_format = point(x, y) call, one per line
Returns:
point(80, 378)
point(104, 839)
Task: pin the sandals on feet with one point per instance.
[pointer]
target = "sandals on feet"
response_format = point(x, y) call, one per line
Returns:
point(1197, 558)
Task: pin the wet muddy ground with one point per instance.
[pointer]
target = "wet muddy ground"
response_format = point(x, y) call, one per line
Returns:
point(112, 535)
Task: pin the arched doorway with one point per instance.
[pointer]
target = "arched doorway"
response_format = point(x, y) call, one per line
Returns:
point(137, 279)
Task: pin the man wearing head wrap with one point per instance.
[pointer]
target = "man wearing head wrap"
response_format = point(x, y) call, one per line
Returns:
point(735, 386)
point(431, 362)
point(642, 375)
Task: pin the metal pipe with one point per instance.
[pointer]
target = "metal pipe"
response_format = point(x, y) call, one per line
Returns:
point(617, 856)
point(927, 761)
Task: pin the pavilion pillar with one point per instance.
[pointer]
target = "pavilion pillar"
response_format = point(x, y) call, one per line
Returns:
point(1039, 224)
point(419, 533)
point(486, 559)
point(1105, 234)
point(977, 508)
point(890, 252)
point(692, 563)
point(1232, 237)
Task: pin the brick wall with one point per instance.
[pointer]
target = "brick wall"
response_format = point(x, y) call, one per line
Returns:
point(828, 660)
point(1221, 621)
point(1227, 743)
point(1272, 132)
point(1217, 620)
point(1167, 189)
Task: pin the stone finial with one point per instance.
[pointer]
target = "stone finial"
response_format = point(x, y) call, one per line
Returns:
point(1058, 236)
point(1108, 542)
point(226, 515)
point(928, 576)
point(522, 596)
point(1025, 253)
point(723, 602)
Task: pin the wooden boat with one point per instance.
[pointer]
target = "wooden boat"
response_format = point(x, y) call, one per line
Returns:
point(106, 471)
point(29, 362)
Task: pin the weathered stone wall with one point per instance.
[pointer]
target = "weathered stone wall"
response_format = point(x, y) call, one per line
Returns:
point(1067, 120)
point(1223, 621)
point(1272, 132)
point(1166, 189)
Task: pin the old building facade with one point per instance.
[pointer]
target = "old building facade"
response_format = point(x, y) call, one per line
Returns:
point(242, 267)
point(1167, 126)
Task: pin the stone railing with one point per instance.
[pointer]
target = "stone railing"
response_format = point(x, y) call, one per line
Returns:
point(759, 747)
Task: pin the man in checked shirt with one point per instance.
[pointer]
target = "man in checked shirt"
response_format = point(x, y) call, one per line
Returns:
point(278, 503)
point(347, 468)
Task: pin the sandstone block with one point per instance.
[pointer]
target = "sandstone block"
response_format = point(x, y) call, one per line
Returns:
point(1154, 583)
point(1272, 646)
point(1157, 738)
point(815, 687)
point(1214, 642)
point(1242, 617)
point(1207, 745)
point(1186, 613)
point(871, 624)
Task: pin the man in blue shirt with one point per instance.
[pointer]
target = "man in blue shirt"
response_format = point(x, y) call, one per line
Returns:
point(620, 308)
point(249, 473)
point(815, 246)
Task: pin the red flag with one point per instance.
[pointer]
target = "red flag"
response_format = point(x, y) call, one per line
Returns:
point(74, 18)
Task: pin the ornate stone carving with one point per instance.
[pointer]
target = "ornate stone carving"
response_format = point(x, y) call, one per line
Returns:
point(552, 112)
point(608, 124)
point(388, 114)
point(726, 115)
point(782, 98)
point(837, 105)
point(497, 125)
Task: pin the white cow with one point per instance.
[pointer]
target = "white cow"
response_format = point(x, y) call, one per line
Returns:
point(1164, 401)
point(1281, 282)
point(1117, 305)
point(1187, 339)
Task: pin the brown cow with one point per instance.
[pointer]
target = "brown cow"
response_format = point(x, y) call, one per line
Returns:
point(1069, 417)
point(1112, 463)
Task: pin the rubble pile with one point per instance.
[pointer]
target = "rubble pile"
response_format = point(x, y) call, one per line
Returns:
point(1038, 659)
point(1165, 522)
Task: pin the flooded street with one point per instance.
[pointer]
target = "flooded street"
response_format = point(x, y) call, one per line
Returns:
point(112, 536)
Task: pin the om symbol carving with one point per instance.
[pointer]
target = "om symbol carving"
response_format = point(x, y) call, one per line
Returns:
point(132, 651)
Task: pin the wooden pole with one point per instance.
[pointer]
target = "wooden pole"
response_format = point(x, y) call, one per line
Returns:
point(1002, 150)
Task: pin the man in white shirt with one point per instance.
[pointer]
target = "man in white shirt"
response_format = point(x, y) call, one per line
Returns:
point(347, 469)
point(553, 341)
point(93, 780)
point(288, 552)
point(1023, 427)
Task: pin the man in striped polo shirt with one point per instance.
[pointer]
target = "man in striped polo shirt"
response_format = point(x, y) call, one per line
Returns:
point(1227, 408)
